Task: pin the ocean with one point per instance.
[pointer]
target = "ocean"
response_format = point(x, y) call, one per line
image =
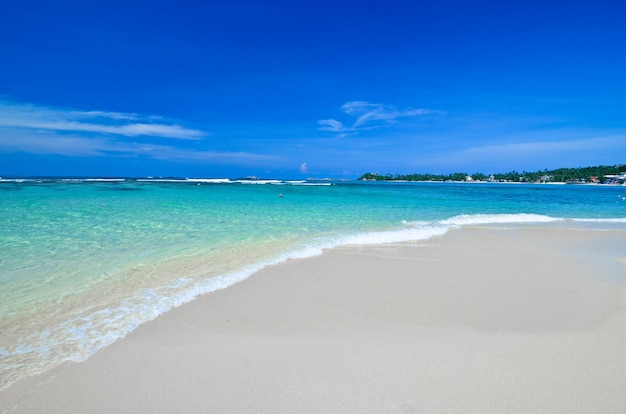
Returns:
point(83, 262)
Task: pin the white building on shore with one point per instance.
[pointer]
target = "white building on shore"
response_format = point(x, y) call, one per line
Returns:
point(616, 178)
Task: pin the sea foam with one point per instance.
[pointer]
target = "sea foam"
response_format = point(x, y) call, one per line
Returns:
point(478, 219)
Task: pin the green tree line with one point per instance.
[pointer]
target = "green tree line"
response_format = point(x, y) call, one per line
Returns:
point(559, 175)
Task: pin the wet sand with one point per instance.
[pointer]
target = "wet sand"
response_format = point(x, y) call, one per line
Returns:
point(529, 320)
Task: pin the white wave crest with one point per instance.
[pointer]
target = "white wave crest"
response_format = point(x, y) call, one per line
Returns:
point(601, 220)
point(477, 219)
point(412, 233)
point(259, 181)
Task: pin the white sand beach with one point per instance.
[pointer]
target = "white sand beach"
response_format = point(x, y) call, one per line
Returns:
point(481, 320)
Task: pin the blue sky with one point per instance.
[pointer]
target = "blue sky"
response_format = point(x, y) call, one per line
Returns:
point(309, 89)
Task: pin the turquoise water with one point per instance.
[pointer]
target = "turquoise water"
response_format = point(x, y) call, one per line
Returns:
point(83, 262)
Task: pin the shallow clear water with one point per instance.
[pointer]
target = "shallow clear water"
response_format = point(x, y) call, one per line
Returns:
point(82, 263)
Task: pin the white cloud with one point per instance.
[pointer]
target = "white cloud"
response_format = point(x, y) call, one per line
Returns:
point(26, 116)
point(43, 130)
point(371, 115)
point(49, 142)
point(304, 168)
point(358, 107)
point(331, 125)
point(158, 130)
point(103, 114)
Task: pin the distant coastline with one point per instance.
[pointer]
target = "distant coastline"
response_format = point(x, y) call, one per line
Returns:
point(602, 174)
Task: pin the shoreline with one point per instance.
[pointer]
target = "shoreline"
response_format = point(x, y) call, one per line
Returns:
point(557, 183)
point(481, 319)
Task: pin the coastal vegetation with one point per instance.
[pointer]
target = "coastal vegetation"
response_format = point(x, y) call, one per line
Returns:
point(597, 174)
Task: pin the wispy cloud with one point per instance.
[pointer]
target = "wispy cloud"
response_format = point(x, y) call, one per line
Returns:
point(331, 125)
point(103, 114)
point(43, 130)
point(48, 142)
point(26, 116)
point(365, 115)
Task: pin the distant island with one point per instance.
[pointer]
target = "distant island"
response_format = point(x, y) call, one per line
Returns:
point(601, 174)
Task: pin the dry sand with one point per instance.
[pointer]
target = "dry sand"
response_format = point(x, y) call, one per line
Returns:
point(526, 320)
